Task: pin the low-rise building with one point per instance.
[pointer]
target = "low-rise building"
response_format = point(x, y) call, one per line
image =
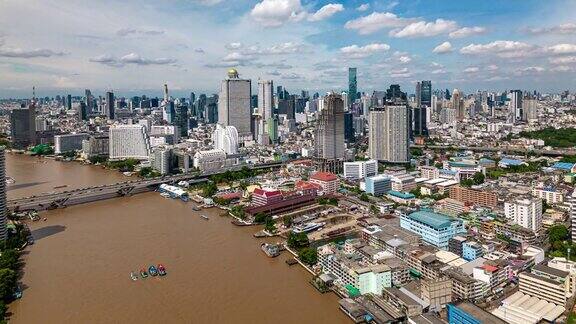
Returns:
point(68, 142)
point(378, 185)
point(551, 195)
point(525, 212)
point(328, 181)
point(474, 196)
point(436, 229)
point(358, 170)
point(546, 283)
point(471, 251)
point(209, 160)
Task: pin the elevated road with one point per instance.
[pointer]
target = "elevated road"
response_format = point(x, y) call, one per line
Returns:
point(89, 194)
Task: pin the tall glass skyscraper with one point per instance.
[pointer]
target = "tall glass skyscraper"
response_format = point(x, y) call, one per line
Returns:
point(352, 86)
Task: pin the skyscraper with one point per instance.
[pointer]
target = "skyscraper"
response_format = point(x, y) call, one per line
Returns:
point(69, 102)
point(23, 125)
point(3, 211)
point(265, 109)
point(89, 101)
point(329, 134)
point(352, 86)
point(419, 115)
point(110, 105)
point(515, 104)
point(426, 93)
point(458, 104)
point(234, 104)
point(82, 111)
point(388, 136)
point(181, 118)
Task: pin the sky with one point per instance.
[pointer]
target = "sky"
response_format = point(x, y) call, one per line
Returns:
point(135, 46)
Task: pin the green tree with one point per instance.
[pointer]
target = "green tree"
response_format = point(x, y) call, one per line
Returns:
point(374, 210)
point(8, 279)
point(287, 221)
point(478, 178)
point(209, 189)
point(364, 197)
point(9, 259)
point(557, 233)
point(238, 211)
point(260, 218)
point(308, 255)
point(298, 240)
point(270, 225)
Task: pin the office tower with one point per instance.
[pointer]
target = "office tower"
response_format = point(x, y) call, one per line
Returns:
point(352, 86)
point(265, 109)
point(154, 102)
point(161, 159)
point(418, 96)
point(193, 104)
point(68, 102)
point(109, 112)
point(69, 142)
point(458, 104)
point(329, 134)
point(82, 111)
point(201, 106)
point(389, 130)
point(419, 116)
point(211, 115)
point(515, 104)
point(168, 107)
point(273, 129)
point(89, 101)
point(23, 125)
point(426, 93)
point(529, 109)
point(234, 104)
point(225, 138)
point(525, 212)
point(572, 205)
point(181, 119)
point(3, 210)
point(129, 141)
point(349, 132)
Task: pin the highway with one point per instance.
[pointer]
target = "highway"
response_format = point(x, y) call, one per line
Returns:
point(62, 199)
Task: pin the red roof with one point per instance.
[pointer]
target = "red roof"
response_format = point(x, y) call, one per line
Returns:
point(490, 268)
point(305, 185)
point(324, 176)
point(267, 193)
point(232, 195)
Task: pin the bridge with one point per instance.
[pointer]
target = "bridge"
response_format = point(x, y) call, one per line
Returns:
point(62, 199)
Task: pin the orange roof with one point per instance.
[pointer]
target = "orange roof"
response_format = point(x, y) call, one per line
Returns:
point(324, 176)
point(267, 193)
point(305, 185)
point(490, 268)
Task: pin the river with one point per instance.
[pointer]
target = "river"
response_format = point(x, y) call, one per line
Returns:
point(78, 270)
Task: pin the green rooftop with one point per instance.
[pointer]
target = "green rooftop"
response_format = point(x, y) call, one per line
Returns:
point(435, 220)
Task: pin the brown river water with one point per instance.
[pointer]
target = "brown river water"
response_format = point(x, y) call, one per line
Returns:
point(78, 269)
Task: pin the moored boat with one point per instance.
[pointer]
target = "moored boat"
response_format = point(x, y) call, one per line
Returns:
point(152, 271)
point(133, 276)
point(205, 217)
point(161, 270)
point(271, 250)
point(143, 273)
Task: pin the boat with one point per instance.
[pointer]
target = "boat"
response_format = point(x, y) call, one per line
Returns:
point(143, 273)
point(165, 195)
point(45, 219)
point(133, 276)
point(161, 270)
point(196, 208)
point(18, 292)
point(152, 271)
point(60, 187)
point(271, 250)
point(308, 227)
point(205, 217)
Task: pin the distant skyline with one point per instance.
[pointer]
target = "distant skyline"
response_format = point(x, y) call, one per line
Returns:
point(134, 47)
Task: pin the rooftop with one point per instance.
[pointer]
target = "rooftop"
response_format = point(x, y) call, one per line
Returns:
point(478, 313)
point(403, 195)
point(324, 176)
point(435, 220)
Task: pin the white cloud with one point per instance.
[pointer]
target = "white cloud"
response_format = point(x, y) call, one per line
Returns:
point(492, 67)
point(472, 69)
point(31, 53)
point(274, 13)
point(326, 12)
point(562, 49)
point(438, 71)
point(143, 32)
point(563, 60)
point(208, 2)
point(363, 7)
point(467, 32)
point(233, 46)
point(405, 59)
point(443, 48)
point(278, 49)
point(567, 28)
point(376, 21)
point(436, 65)
point(64, 82)
point(400, 73)
point(531, 70)
point(131, 58)
point(355, 51)
point(562, 68)
point(500, 48)
point(425, 29)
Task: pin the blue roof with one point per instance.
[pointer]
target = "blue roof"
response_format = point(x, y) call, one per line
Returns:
point(461, 164)
point(403, 195)
point(485, 160)
point(435, 220)
point(563, 166)
point(511, 161)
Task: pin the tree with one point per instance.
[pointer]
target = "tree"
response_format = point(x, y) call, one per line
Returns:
point(557, 233)
point(287, 221)
point(238, 211)
point(270, 226)
point(478, 178)
point(209, 189)
point(308, 256)
point(297, 240)
point(364, 197)
point(374, 210)
point(9, 259)
point(8, 279)
point(260, 217)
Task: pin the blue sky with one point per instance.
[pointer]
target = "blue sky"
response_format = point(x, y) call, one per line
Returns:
point(132, 47)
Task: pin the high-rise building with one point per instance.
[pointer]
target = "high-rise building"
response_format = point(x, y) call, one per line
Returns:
point(69, 142)
point(234, 104)
point(530, 109)
point(572, 204)
point(110, 112)
point(352, 86)
point(419, 117)
point(418, 96)
point(458, 104)
point(181, 119)
point(23, 125)
point(273, 129)
point(129, 141)
point(225, 138)
point(82, 111)
point(89, 101)
point(69, 102)
point(515, 104)
point(3, 210)
point(349, 132)
point(265, 109)
point(426, 93)
point(161, 160)
point(389, 128)
point(211, 109)
point(329, 135)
